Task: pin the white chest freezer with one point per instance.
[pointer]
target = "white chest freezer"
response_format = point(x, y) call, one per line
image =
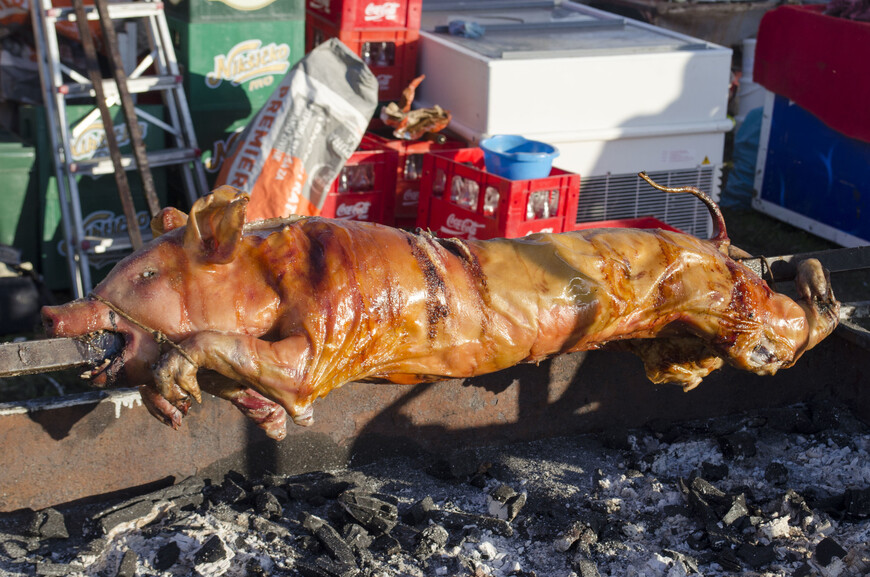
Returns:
point(616, 96)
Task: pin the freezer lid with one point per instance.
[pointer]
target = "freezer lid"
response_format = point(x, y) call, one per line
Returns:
point(547, 29)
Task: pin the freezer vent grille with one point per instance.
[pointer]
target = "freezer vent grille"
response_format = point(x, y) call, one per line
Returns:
point(618, 196)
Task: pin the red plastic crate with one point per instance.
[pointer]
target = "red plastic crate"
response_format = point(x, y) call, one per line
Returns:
point(409, 168)
point(364, 190)
point(348, 14)
point(391, 54)
point(500, 207)
point(640, 222)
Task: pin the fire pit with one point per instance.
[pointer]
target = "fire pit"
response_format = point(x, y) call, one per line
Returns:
point(776, 492)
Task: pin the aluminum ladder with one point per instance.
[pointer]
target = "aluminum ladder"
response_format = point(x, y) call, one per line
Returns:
point(156, 71)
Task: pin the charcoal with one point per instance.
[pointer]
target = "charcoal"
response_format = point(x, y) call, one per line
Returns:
point(687, 560)
point(279, 494)
point(756, 556)
point(230, 492)
point(856, 503)
point(420, 510)
point(326, 567)
point(827, 549)
point(211, 551)
point(615, 439)
point(738, 445)
point(300, 491)
point(776, 473)
point(236, 478)
point(127, 568)
point(167, 556)
point(136, 510)
point(585, 567)
point(454, 520)
point(253, 568)
point(386, 544)
point(728, 560)
point(49, 569)
point(13, 549)
point(330, 487)
point(332, 542)
point(674, 510)
point(357, 537)
point(53, 525)
point(737, 511)
point(703, 498)
point(374, 514)
point(713, 472)
point(432, 539)
point(460, 465)
point(570, 536)
point(804, 570)
point(263, 526)
point(791, 420)
point(267, 504)
point(478, 480)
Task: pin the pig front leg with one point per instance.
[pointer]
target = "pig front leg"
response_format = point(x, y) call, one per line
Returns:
point(277, 370)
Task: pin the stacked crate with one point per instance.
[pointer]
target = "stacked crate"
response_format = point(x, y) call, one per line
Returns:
point(232, 55)
point(384, 33)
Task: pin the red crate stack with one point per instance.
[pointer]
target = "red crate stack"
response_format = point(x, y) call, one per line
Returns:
point(384, 34)
point(458, 197)
point(365, 187)
point(350, 14)
point(409, 171)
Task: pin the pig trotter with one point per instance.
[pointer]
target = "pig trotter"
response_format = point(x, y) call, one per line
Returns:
point(813, 284)
point(175, 378)
point(160, 408)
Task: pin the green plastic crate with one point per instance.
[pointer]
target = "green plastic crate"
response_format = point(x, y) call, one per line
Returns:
point(19, 204)
point(235, 65)
point(102, 212)
point(235, 10)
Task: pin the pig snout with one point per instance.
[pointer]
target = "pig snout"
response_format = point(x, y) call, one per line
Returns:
point(85, 316)
point(75, 319)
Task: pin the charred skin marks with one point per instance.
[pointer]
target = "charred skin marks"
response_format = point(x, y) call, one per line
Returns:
point(273, 315)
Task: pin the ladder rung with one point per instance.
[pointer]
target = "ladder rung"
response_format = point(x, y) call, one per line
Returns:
point(116, 11)
point(134, 85)
point(103, 164)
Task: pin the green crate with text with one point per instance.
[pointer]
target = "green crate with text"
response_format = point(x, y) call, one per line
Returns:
point(235, 64)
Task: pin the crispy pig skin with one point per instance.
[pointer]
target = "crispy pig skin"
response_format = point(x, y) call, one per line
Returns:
point(290, 309)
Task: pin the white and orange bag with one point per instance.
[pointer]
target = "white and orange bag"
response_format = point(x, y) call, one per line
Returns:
point(294, 148)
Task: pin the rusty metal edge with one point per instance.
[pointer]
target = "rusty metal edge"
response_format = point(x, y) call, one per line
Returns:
point(70, 449)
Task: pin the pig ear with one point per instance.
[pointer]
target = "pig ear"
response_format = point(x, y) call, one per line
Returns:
point(214, 230)
point(166, 220)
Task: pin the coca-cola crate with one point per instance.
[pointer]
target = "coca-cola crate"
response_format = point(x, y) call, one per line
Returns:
point(409, 168)
point(391, 54)
point(347, 14)
point(640, 222)
point(364, 189)
point(458, 197)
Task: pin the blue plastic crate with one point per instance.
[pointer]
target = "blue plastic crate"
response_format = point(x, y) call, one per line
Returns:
point(814, 177)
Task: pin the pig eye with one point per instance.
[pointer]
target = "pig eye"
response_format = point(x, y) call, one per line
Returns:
point(149, 273)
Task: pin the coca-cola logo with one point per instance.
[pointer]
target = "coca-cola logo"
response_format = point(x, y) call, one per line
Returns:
point(381, 12)
point(384, 81)
point(411, 197)
point(456, 226)
point(356, 211)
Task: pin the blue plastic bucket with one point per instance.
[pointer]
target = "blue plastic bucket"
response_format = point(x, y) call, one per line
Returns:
point(516, 157)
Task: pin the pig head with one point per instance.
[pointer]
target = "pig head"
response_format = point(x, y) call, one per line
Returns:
point(274, 314)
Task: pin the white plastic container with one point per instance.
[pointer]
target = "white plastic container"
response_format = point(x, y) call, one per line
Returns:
point(616, 96)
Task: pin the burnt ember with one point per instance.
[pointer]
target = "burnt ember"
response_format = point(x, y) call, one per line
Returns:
point(763, 494)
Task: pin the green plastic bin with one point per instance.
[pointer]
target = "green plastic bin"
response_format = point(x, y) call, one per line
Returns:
point(235, 10)
point(235, 65)
point(102, 213)
point(19, 204)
